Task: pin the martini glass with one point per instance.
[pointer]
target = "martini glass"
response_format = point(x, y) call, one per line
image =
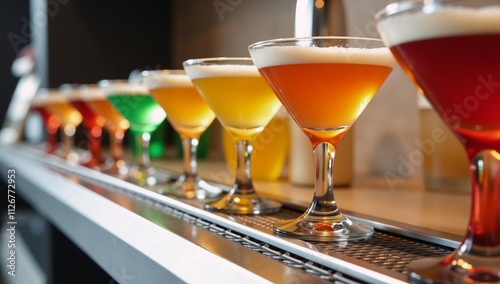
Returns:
point(51, 121)
point(244, 104)
point(190, 116)
point(450, 49)
point(324, 83)
point(134, 102)
point(58, 103)
point(116, 125)
point(92, 122)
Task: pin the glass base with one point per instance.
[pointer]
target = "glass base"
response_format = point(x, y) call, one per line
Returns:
point(455, 270)
point(149, 177)
point(191, 189)
point(118, 169)
point(323, 230)
point(245, 204)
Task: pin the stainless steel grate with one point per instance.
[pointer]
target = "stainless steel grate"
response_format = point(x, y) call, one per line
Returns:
point(383, 249)
point(385, 252)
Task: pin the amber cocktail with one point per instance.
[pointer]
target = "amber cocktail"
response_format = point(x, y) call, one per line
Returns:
point(324, 83)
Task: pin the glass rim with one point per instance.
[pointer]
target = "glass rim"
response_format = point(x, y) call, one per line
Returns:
point(397, 7)
point(409, 5)
point(146, 73)
point(264, 43)
point(211, 60)
point(107, 82)
point(123, 85)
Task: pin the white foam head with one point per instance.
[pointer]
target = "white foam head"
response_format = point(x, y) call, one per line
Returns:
point(48, 96)
point(122, 87)
point(71, 91)
point(90, 92)
point(167, 80)
point(221, 70)
point(285, 55)
point(447, 21)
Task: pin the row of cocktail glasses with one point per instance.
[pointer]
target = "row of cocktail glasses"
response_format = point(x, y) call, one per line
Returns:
point(325, 83)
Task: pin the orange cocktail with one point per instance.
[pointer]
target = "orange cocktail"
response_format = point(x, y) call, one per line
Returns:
point(324, 83)
point(326, 98)
point(70, 118)
point(116, 125)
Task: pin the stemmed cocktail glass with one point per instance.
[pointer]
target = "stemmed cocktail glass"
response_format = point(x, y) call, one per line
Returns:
point(190, 116)
point(51, 121)
point(450, 49)
point(244, 104)
point(70, 118)
point(134, 102)
point(324, 83)
point(92, 122)
point(116, 125)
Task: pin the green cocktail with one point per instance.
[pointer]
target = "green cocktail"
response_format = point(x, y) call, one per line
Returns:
point(134, 102)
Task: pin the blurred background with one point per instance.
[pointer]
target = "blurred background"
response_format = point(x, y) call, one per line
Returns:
point(86, 41)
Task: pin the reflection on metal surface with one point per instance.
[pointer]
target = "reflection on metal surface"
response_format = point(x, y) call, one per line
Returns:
point(382, 258)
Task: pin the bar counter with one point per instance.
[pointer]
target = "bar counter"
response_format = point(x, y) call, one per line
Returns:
point(139, 236)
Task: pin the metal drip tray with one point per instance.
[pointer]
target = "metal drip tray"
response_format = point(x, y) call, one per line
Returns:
point(383, 258)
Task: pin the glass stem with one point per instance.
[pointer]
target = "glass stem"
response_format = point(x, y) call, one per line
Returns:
point(51, 134)
point(116, 144)
point(243, 182)
point(141, 153)
point(190, 148)
point(324, 203)
point(67, 138)
point(94, 138)
point(484, 227)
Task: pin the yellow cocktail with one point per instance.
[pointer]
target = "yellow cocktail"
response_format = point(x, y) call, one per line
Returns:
point(190, 116)
point(244, 104)
point(236, 99)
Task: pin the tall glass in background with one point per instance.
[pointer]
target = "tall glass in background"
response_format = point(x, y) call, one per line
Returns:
point(446, 167)
point(325, 83)
point(133, 100)
point(92, 122)
point(244, 104)
point(116, 126)
point(50, 120)
point(450, 49)
point(190, 116)
point(70, 118)
point(269, 151)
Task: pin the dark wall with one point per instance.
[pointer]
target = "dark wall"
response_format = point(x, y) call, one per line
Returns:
point(86, 40)
point(92, 40)
point(14, 32)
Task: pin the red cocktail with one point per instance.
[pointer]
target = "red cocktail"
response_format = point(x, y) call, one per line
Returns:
point(451, 51)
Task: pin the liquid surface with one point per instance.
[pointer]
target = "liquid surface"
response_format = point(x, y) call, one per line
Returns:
point(452, 55)
point(241, 99)
point(324, 89)
point(143, 113)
